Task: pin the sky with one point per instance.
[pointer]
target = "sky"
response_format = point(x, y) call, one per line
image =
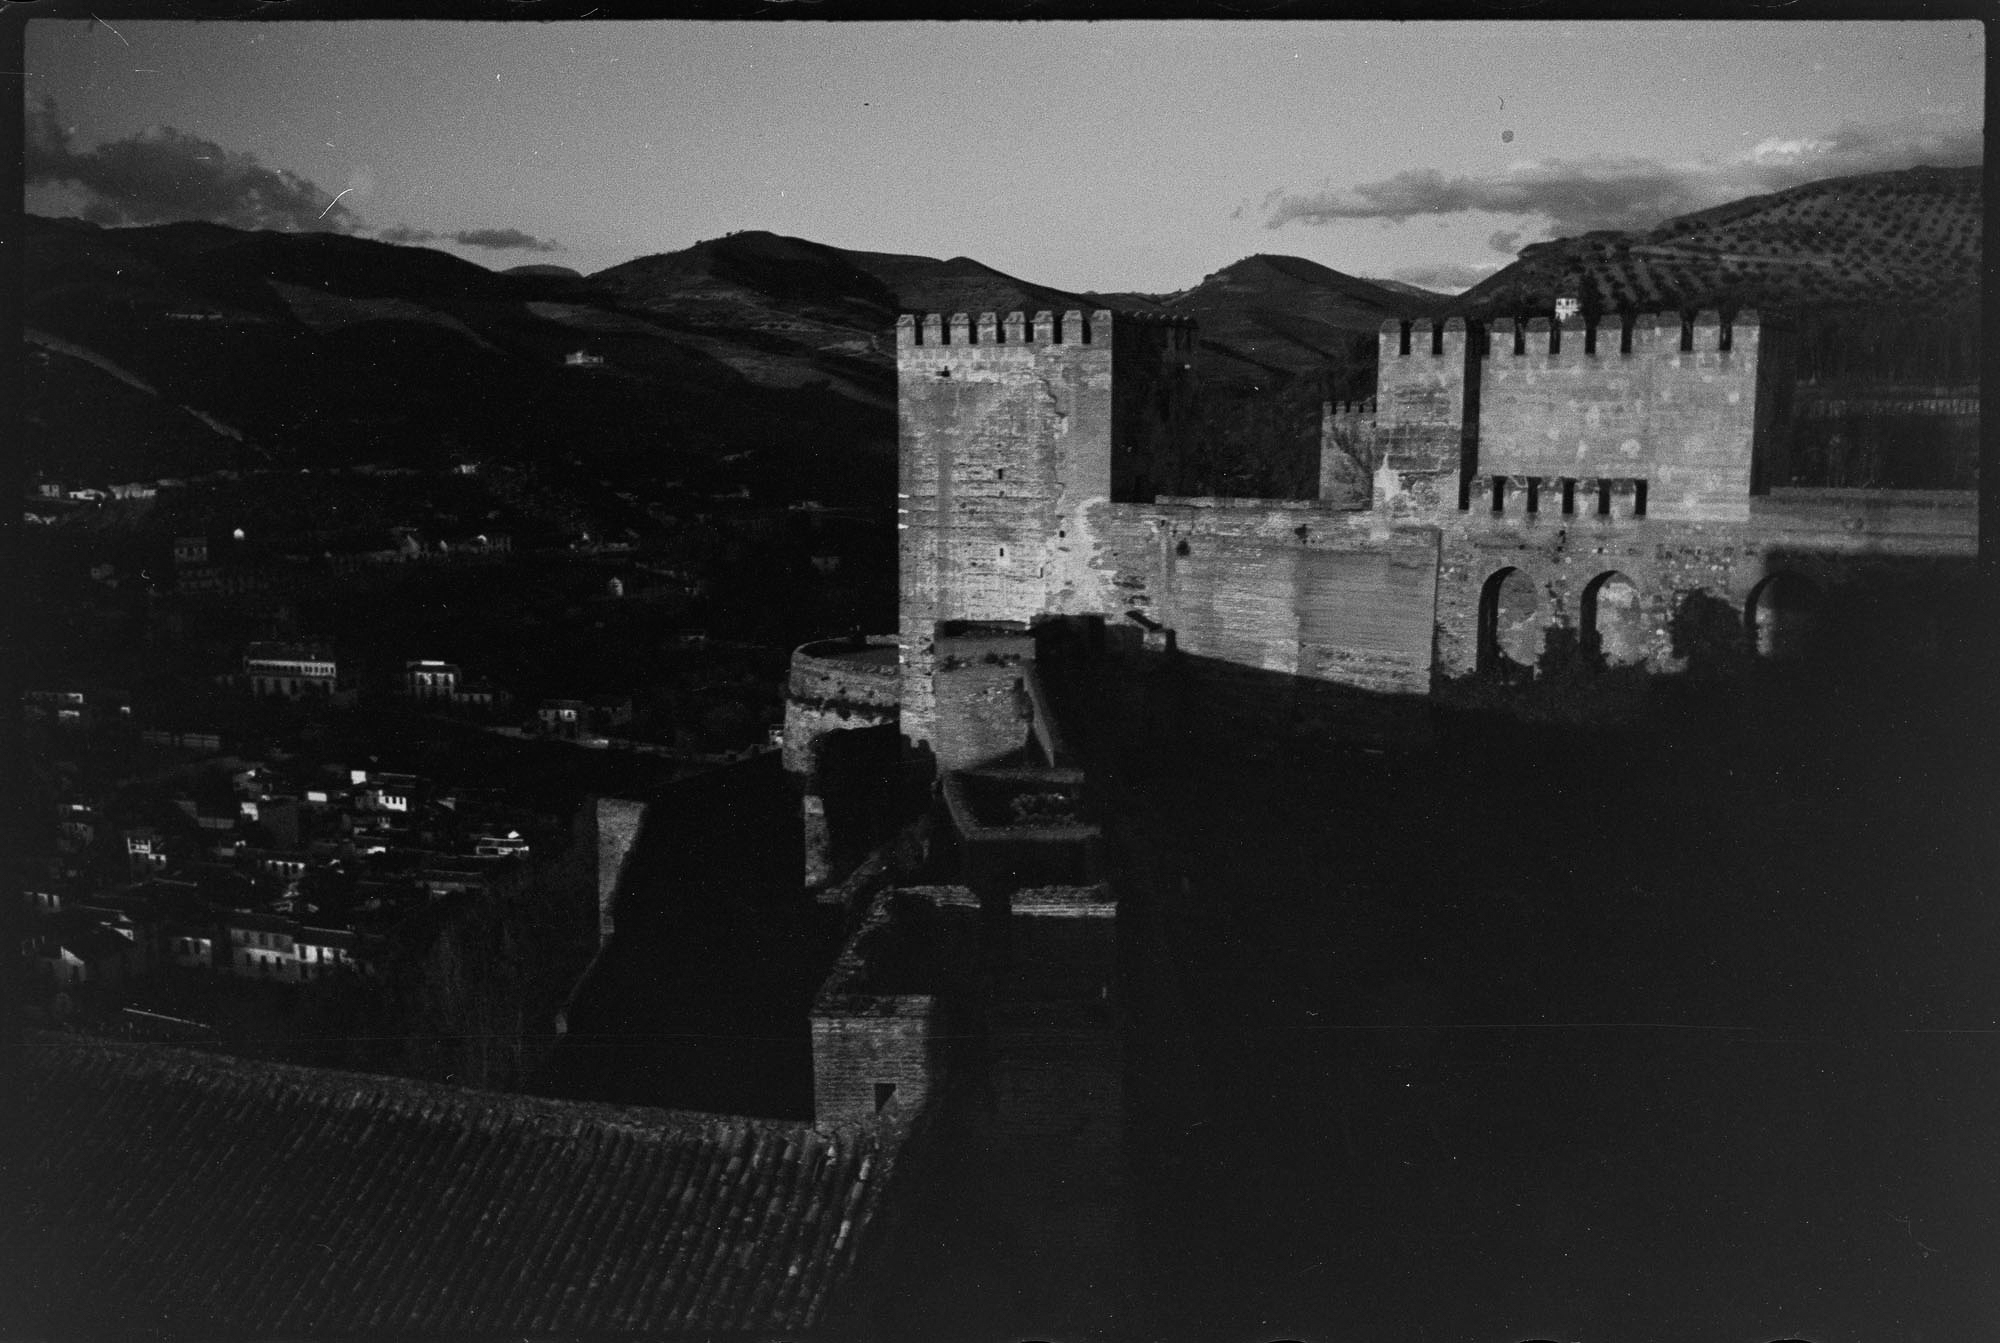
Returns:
point(1137, 156)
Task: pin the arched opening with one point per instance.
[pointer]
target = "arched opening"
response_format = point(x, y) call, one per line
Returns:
point(1613, 626)
point(1510, 630)
point(1782, 616)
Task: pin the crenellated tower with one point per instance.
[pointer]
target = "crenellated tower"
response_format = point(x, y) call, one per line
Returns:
point(1649, 414)
point(1012, 430)
point(1423, 420)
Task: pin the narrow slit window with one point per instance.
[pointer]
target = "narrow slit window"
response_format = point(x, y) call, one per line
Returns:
point(1590, 335)
point(1569, 497)
point(1687, 334)
point(1603, 498)
point(1499, 494)
point(1534, 494)
point(1638, 498)
point(1520, 337)
point(1625, 333)
point(1403, 347)
point(1437, 338)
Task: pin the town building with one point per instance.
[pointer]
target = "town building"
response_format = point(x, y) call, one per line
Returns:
point(429, 680)
point(291, 670)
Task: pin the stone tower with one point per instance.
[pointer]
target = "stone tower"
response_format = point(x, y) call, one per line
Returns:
point(1014, 433)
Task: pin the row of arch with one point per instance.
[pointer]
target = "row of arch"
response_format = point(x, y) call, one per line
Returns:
point(1778, 618)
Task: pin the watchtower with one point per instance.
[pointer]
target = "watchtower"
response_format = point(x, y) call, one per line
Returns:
point(1012, 430)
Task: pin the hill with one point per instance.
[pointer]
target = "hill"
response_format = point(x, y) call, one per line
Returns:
point(1908, 239)
point(1279, 335)
point(1271, 318)
point(768, 361)
point(326, 349)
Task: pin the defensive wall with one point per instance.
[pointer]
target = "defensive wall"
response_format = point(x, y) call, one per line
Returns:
point(1616, 582)
point(1012, 431)
point(879, 1024)
point(1614, 470)
point(1586, 478)
point(1347, 452)
point(1658, 408)
point(836, 686)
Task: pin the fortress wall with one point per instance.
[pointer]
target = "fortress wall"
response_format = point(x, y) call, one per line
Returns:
point(1683, 421)
point(981, 697)
point(837, 685)
point(1122, 567)
point(862, 1042)
point(1301, 590)
point(1005, 444)
point(868, 1031)
point(1347, 453)
point(1420, 418)
point(618, 822)
point(1057, 1073)
point(1839, 540)
point(1420, 394)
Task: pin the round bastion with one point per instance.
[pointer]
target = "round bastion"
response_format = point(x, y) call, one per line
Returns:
point(838, 685)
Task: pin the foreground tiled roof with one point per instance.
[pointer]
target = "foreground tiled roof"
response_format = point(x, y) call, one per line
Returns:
point(167, 1190)
point(1909, 238)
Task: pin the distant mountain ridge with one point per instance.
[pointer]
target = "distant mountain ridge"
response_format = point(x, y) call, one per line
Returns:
point(775, 355)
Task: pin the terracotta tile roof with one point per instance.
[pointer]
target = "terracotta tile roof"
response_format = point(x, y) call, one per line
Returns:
point(172, 1190)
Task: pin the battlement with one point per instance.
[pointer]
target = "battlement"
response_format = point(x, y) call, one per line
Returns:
point(1563, 498)
point(1423, 338)
point(1614, 336)
point(1072, 327)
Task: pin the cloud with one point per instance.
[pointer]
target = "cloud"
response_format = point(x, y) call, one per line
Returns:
point(163, 174)
point(1447, 276)
point(1579, 195)
point(498, 239)
point(1505, 240)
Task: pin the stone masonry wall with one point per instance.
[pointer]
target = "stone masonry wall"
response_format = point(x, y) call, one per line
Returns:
point(1300, 589)
point(861, 1045)
point(836, 685)
point(1004, 442)
point(981, 694)
point(1013, 431)
point(1347, 451)
point(1681, 420)
point(1419, 417)
point(618, 824)
point(870, 1033)
point(1835, 539)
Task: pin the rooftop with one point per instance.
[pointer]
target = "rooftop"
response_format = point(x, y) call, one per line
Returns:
point(185, 1193)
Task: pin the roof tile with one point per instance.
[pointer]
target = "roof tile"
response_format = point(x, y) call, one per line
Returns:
point(188, 1192)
